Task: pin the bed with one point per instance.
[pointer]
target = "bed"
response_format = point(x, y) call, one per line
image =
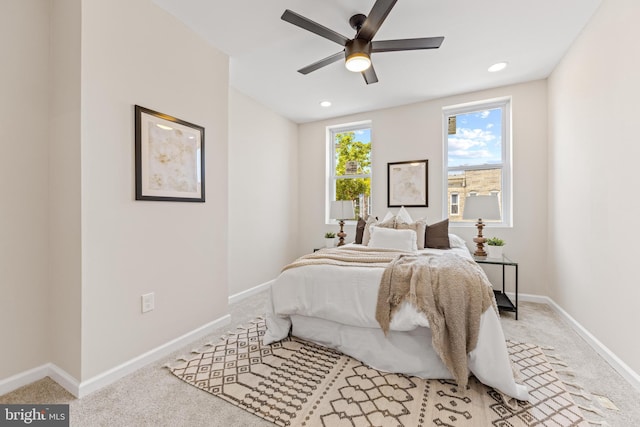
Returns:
point(335, 306)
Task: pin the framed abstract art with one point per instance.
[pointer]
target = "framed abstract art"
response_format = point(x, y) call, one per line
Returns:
point(169, 158)
point(407, 184)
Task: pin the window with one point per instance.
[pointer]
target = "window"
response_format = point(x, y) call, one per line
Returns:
point(349, 177)
point(453, 206)
point(477, 147)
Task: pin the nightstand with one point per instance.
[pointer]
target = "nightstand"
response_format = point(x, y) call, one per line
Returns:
point(503, 301)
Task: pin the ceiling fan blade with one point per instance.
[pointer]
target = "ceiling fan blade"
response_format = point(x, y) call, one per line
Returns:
point(370, 75)
point(406, 44)
point(323, 62)
point(314, 27)
point(374, 20)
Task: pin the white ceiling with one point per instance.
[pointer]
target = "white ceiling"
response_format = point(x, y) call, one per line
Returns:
point(265, 52)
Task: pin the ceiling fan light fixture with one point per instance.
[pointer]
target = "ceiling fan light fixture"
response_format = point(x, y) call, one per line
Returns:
point(357, 53)
point(358, 62)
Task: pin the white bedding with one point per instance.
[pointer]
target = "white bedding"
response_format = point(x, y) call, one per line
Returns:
point(335, 306)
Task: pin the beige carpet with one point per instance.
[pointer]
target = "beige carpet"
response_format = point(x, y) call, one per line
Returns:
point(297, 383)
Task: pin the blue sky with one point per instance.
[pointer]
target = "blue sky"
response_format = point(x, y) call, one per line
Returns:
point(478, 139)
point(363, 135)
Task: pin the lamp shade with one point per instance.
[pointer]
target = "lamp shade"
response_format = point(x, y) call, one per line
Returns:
point(484, 207)
point(342, 209)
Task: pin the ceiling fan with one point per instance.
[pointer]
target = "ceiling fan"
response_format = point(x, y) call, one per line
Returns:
point(357, 51)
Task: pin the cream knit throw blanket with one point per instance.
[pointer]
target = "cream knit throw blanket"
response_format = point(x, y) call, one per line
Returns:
point(451, 291)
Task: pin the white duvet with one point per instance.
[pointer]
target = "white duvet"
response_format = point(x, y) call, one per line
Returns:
point(335, 306)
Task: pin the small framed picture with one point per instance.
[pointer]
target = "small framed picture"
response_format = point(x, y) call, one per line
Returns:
point(407, 184)
point(169, 158)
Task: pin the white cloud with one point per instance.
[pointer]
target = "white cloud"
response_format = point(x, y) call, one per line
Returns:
point(471, 154)
point(484, 114)
point(473, 144)
point(477, 135)
point(464, 144)
point(489, 126)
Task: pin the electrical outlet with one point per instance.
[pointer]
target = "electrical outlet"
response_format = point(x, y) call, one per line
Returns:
point(148, 302)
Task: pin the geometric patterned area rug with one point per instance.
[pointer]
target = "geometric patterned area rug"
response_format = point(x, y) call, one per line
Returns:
point(298, 383)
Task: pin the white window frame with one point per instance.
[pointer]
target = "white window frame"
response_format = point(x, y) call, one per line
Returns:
point(457, 204)
point(330, 193)
point(506, 166)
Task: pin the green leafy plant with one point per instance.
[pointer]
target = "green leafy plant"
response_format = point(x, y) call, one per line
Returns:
point(494, 241)
point(329, 235)
point(348, 148)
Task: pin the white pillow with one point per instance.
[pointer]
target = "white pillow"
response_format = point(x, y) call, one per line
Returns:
point(387, 217)
point(388, 222)
point(404, 216)
point(390, 238)
point(456, 241)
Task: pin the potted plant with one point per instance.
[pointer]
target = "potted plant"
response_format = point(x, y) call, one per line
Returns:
point(495, 247)
point(329, 239)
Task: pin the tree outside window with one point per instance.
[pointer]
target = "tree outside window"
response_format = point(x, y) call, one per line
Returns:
point(351, 167)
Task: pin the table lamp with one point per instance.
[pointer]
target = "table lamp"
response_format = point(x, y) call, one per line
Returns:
point(341, 210)
point(481, 207)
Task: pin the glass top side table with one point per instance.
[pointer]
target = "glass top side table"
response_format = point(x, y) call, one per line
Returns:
point(503, 301)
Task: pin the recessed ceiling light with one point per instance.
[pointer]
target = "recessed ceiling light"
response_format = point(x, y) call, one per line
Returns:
point(325, 104)
point(497, 67)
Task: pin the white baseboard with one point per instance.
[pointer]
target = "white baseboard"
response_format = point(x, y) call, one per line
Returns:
point(78, 389)
point(62, 377)
point(244, 294)
point(14, 382)
point(529, 298)
point(616, 363)
point(114, 374)
point(72, 385)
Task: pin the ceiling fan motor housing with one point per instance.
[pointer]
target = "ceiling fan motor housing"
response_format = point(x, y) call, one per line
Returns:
point(358, 55)
point(357, 46)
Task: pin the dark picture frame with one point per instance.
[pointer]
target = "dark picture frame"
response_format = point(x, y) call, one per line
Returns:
point(169, 158)
point(408, 184)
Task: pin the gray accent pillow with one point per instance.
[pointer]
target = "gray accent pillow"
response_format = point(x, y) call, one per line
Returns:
point(360, 230)
point(436, 235)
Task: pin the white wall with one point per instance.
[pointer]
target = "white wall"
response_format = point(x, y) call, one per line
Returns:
point(76, 250)
point(594, 151)
point(415, 132)
point(65, 251)
point(263, 193)
point(177, 250)
point(24, 128)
